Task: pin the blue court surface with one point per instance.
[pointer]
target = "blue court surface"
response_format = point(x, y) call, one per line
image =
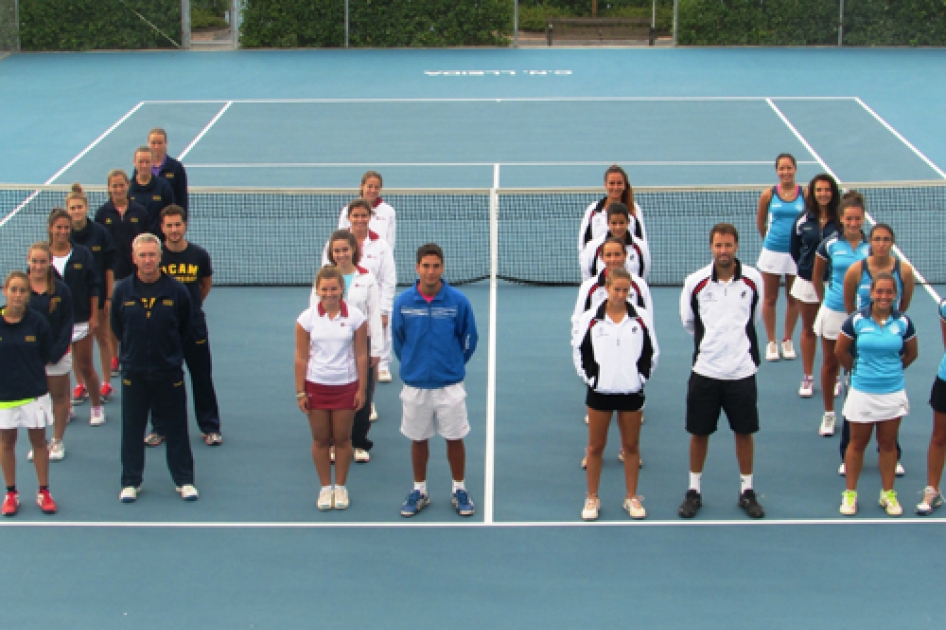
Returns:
point(255, 553)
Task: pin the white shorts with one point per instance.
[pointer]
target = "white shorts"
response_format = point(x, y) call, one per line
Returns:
point(804, 291)
point(429, 411)
point(778, 263)
point(828, 323)
point(63, 368)
point(863, 407)
point(80, 331)
point(36, 414)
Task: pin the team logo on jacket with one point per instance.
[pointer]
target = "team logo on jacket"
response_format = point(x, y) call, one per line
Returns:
point(156, 198)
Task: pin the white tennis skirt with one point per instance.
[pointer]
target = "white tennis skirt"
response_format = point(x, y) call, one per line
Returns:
point(804, 291)
point(828, 323)
point(63, 368)
point(778, 263)
point(863, 407)
point(36, 414)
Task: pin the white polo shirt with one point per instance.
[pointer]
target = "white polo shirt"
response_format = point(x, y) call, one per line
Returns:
point(331, 344)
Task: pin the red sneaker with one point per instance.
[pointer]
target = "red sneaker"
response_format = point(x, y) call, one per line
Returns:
point(79, 395)
point(11, 504)
point(45, 502)
point(107, 391)
point(114, 366)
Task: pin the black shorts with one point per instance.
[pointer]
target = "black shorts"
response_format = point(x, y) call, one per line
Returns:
point(614, 402)
point(938, 396)
point(706, 397)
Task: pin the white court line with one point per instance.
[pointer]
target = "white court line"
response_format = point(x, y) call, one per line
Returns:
point(896, 133)
point(73, 161)
point(767, 163)
point(926, 285)
point(489, 470)
point(537, 99)
point(204, 131)
point(413, 524)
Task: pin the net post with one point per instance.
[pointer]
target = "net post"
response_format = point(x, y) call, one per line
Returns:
point(186, 24)
point(676, 18)
point(489, 463)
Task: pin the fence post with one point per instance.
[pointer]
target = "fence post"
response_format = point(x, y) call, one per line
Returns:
point(676, 18)
point(185, 24)
point(841, 25)
point(515, 24)
point(346, 23)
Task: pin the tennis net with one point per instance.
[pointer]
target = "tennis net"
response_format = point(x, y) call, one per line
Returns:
point(275, 237)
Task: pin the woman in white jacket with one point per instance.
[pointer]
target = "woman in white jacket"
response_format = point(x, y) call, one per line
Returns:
point(362, 292)
point(613, 349)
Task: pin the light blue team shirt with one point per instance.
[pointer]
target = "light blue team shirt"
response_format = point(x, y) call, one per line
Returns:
point(942, 364)
point(862, 298)
point(782, 215)
point(878, 368)
point(840, 256)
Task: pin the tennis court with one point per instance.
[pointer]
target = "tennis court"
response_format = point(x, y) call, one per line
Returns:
point(253, 552)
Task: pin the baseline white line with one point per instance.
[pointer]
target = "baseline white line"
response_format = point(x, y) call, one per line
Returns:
point(538, 99)
point(767, 163)
point(899, 137)
point(71, 162)
point(929, 289)
point(204, 131)
point(841, 522)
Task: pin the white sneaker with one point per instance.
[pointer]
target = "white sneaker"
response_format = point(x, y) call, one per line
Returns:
point(341, 498)
point(788, 350)
point(888, 501)
point(72, 413)
point(838, 385)
point(842, 469)
point(129, 494)
point(188, 492)
point(827, 424)
point(586, 419)
point(57, 450)
point(374, 414)
point(849, 502)
point(634, 507)
point(326, 499)
point(901, 471)
point(29, 456)
point(807, 389)
point(97, 417)
point(771, 351)
point(362, 456)
point(932, 499)
point(590, 511)
point(384, 376)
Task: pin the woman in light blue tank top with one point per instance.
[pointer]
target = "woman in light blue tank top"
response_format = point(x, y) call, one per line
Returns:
point(936, 455)
point(778, 208)
point(858, 278)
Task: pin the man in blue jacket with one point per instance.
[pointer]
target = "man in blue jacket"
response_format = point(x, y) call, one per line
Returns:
point(434, 335)
point(151, 316)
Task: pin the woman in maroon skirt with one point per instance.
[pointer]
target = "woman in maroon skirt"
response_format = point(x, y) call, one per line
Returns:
point(331, 372)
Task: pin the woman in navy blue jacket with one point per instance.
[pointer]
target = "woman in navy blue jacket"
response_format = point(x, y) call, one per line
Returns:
point(819, 221)
point(25, 349)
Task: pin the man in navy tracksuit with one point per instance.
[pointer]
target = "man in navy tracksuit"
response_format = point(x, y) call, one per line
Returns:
point(151, 316)
point(434, 335)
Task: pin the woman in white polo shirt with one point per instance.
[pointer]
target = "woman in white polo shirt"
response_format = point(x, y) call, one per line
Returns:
point(331, 371)
point(362, 292)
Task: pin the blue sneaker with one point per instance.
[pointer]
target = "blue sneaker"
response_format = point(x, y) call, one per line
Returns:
point(414, 503)
point(463, 503)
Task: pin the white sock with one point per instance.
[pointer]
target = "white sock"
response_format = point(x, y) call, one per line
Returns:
point(338, 487)
point(829, 414)
point(421, 486)
point(695, 479)
point(329, 488)
point(745, 483)
point(458, 485)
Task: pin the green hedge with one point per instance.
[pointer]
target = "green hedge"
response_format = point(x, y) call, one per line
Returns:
point(7, 25)
point(376, 23)
point(811, 22)
point(97, 24)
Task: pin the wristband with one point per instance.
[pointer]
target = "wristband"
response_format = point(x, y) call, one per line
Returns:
point(300, 395)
